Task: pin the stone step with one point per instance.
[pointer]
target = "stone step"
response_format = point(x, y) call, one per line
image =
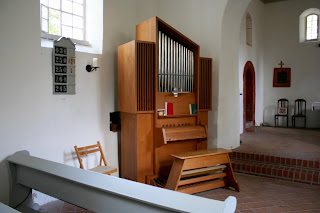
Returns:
point(276, 160)
point(277, 171)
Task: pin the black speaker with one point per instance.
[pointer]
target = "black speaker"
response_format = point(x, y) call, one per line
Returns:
point(115, 120)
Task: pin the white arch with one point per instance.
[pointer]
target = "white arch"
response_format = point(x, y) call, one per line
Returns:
point(228, 95)
point(302, 22)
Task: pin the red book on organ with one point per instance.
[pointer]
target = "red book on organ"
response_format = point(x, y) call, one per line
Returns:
point(169, 108)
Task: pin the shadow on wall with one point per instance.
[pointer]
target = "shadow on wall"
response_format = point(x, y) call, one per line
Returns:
point(115, 80)
point(70, 156)
point(268, 114)
point(89, 161)
point(4, 182)
point(213, 115)
point(313, 117)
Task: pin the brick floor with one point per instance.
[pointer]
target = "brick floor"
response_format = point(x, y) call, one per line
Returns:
point(286, 154)
point(258, 194)
point(283, 152)
point(59, 206)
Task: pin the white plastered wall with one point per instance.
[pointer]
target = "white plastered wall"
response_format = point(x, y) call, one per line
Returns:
point(50, 125)
point(281, 43)
point(254, 54)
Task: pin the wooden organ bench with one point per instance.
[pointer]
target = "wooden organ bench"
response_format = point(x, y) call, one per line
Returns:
point(201, 170)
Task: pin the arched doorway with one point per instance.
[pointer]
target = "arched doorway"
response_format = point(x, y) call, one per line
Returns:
point(249, 95)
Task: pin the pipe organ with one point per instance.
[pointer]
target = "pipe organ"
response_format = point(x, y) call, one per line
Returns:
point(161, 66)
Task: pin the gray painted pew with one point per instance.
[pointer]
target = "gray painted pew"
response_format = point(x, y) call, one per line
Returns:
point(97, 192)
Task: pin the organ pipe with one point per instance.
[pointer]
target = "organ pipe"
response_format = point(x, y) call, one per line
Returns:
point(176, 66)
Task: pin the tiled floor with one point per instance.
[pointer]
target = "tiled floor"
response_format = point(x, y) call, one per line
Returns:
point(59, 206)
point(285, 142)
point(256, 195)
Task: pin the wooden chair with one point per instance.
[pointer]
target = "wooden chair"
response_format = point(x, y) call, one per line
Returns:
point(283, 104)
point(300, 106)
point(92, 149)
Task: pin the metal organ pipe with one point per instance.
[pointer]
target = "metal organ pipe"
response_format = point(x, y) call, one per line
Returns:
point(159, 61)
point(175, 66)
point(171, 67)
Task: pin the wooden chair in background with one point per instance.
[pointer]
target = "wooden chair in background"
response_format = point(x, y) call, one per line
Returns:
point(283, 105)
point(300, 111)
point(92, 149)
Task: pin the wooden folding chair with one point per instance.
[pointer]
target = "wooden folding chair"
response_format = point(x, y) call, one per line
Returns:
point(283, 104)
point(300, 107)
point(92, 149)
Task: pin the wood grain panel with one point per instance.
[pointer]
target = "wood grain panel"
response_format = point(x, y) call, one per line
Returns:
point(180, 103)
point(206, 161)
point(205, 85)
point(147, 30)
point(135, 77)
point(206, 170)
point(183, 133)
point(200, 187)
point(201, 179)
point(180, 121)
point(144, 146)
point(163, 158)
point(203, 118)
point(145, 67)
point(129, 146)
point(127, 77)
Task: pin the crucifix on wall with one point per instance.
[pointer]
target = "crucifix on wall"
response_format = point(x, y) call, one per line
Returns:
point(281, 76)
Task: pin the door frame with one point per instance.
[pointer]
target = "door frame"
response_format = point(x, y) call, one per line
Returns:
point(249, 67)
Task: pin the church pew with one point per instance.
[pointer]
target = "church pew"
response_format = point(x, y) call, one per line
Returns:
point(97, 192)
point(7, 209)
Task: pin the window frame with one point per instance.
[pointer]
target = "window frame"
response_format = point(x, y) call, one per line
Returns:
point(306, 28)
point(46, 35)
point(249, 38)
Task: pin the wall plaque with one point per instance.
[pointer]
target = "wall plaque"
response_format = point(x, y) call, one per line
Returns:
point(281, 76)
point(63, 66)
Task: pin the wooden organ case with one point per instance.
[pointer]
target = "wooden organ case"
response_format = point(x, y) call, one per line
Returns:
point(161, 64)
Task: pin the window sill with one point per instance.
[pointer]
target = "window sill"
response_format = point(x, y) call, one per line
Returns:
point(312, 41)
point(81, 46)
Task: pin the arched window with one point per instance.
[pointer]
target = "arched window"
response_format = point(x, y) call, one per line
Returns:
point(249, 29)
point(309, 25)
point(312, 27)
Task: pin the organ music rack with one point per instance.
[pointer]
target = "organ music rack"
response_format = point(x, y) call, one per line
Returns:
point(148, 140)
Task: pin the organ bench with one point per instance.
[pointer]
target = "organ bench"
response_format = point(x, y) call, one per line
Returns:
point(201, 170)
